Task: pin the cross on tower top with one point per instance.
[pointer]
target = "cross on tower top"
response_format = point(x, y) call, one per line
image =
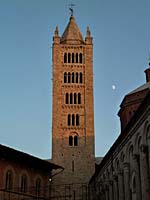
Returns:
point(71, 6)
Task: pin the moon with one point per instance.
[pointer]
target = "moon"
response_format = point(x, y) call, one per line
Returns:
point(113, 87)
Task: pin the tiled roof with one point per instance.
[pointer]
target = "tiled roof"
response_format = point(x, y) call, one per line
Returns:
point(72, 34)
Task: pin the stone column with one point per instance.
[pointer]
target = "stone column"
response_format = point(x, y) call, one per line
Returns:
point(106, 192)
point(136, 167)
point(148, 142)
point(115, 187)
point(121, 185)
point(111, 190)
point(145, 185)
point(126, 181)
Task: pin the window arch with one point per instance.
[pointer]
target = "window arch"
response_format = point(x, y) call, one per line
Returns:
point(72, 57)
point(75, 98)
point(79, 98)
point(77, 120)
point(73, 120)
point(24, 183)
point(38, 187)
point(76, 57)
point(81, 77)
point(80, 57)
point(69, 57)
point(65, 58)
point(71, 98)
point(133, 185)
point(69, 120)
point(9, 180)
point(69, 77)
point(70, 140)
point(76, 77)
point(72, 77)
point(73, 139)
point(67, 98)
point(65, 77)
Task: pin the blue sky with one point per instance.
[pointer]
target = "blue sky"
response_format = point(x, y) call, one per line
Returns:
point(121, 37)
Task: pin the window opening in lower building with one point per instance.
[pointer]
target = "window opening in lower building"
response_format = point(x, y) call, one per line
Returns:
point(9, 180)
point(38, 187)
point(24, 183)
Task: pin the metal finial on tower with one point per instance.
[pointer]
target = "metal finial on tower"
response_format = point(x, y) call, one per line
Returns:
point(71, 8)
point(149, 60)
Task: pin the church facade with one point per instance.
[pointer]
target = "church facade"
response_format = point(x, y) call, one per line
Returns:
point(124, 173)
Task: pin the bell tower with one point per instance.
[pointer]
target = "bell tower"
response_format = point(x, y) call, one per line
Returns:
point(73, 109)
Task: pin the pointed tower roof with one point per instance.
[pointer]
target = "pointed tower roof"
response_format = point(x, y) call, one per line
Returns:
point(72, 34)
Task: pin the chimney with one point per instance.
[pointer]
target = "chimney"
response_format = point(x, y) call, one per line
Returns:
point(147, 72)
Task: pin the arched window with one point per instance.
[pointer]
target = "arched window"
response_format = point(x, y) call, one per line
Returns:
point(69, 77)
point(73, 166)
point(72, 77)
point(69, 120)
point(72, 57)
point(131, 152)
point(70, 140)
point(69, 57)
point(38, 187)
point(9, 180)
point(65, 58)
point(67, 98)
point(77, 120)
point(24, 183)
point(81, 77)
point(76, 77)
point(75, 140)
point(79, 98)
point(65, 77)
point(80, 57)
point(71, 98)
point(75, 98)
point(76, 57)
point(73, 120)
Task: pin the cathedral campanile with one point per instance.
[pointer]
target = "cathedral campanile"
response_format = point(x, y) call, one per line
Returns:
point(73, 109)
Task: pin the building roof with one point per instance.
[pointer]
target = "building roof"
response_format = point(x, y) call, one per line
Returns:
point(144, 105)
point(142, 87)
point(72, 34)
point(19, 157)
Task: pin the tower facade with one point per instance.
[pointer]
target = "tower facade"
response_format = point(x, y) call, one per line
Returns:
point(73, 109)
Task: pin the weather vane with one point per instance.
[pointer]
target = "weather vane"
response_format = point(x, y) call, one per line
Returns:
point(71, 8)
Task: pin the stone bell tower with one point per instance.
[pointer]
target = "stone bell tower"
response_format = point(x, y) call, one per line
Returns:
point(73, 110)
